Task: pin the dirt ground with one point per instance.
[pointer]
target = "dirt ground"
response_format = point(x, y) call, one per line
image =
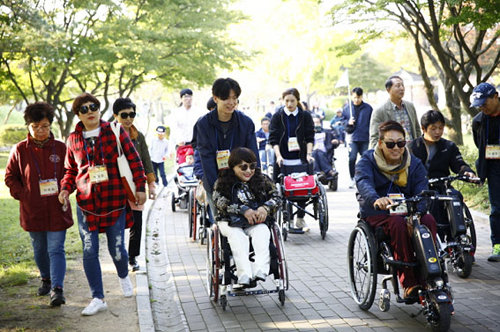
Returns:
point(22, 310)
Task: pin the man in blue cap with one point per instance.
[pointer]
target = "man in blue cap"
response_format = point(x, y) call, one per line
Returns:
point(486, 132)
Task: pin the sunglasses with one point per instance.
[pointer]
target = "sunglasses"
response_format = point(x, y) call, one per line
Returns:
point(126, 115)
point(244, 167)
point(85, 109)
point(391, 145)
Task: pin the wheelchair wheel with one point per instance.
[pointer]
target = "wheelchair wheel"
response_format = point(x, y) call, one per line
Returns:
point(334, 184)
point(280, 248)
point(213, 264)
point(192, 213)
point(439, 315)
point(172, 202)
point(323, 211)
point(361, 259)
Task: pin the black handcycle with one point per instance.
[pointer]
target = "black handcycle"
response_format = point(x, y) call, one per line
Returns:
point(370, 254)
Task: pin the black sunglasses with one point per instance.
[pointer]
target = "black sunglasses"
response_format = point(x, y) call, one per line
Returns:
point(126, 115)
point(244, 167)
point(391, 145)
point(85, 109)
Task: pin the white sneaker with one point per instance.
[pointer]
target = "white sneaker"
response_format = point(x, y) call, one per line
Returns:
point(300, 223)
point(94, 307)
point(127, 288)
point(353, 184)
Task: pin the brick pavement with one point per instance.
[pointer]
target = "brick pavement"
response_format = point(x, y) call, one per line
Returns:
point(319, 296)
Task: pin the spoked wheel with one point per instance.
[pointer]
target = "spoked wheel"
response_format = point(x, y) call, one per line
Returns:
point(193, 213)
point(439, 316)
point(323, 211)
point(172, 202)
point(281, 215)
point(361, 259)
point(280, 248)
point(213, 264)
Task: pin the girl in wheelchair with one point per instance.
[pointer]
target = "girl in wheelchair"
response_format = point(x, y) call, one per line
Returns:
point(246, 201)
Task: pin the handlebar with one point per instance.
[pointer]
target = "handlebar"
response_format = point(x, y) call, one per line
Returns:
point(425, 194)
point(451, 178)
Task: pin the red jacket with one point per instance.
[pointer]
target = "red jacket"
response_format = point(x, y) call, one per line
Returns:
point(37, 214)
point(102, 203)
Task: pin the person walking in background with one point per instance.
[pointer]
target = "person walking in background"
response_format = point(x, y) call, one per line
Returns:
point(158, 152)
point(337, 124)
point(486, 132)
point(292, 138)
point(91, 168)
point(124, 112)
point(33, 174)
point(358, 116)
point(266, 156)
point(397, 109)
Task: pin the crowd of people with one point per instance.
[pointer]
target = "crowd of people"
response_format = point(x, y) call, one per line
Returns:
point(231, 160)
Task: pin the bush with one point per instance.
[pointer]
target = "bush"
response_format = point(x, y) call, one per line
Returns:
point(12, 134)
point(475, 196)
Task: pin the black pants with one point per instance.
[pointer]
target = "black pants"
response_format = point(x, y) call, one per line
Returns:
point(134, 242)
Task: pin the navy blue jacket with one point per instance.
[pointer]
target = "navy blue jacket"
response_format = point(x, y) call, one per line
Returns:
point(261, 134)
point(480, 135)
point(208, 137)
point(198, 168)
point(362, 113)
point(373, 184)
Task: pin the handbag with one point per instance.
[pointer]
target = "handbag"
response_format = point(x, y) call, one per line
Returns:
point(123, 165)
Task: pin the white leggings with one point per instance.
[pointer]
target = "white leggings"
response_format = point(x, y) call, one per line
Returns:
point(239, 240)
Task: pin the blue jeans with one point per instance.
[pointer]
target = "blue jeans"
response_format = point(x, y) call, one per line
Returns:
point(321, 162)
point(116, 248)
point(266, 158)
point(493, 175)
point(355, 148)
point(160, 167)
point(50, 256)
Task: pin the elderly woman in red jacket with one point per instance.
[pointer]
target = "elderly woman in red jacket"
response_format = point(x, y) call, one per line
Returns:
point(33, 174)
point(92, 169)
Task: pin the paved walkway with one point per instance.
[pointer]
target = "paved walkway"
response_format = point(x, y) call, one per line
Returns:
point(319, 297)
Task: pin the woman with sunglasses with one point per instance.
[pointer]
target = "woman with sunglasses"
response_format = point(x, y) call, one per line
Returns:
point(91, 168)
point(246, 200)
point(33, 174)
point(124, 112)
point(381, 174)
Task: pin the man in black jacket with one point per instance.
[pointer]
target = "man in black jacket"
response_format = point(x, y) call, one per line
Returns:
point(486, 132)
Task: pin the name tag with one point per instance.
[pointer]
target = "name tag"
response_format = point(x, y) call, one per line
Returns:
point(492, 152)
point(98, 174)
point(48, 187)
point(293, 144)
point(400, 209)
point(223, 159)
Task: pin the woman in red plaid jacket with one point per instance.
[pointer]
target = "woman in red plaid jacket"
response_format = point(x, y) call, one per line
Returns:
point(91, 168)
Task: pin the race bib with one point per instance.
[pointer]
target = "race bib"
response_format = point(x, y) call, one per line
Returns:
point(223, 159)
point(98, 174)
point(293, 144)
point(492, 152)
point(48, 187)
point(400, 209)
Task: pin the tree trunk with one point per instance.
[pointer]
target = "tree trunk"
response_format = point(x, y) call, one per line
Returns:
point(454, 109)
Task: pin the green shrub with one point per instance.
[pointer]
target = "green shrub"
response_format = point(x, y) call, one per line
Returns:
point(12, 134)
point(475, 196)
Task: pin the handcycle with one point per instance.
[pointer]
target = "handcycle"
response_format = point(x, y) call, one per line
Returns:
point(296, 185)
point(370, 254)
point(221, 269)
point(459, 244)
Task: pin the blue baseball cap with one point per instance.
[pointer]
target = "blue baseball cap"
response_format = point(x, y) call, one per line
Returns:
point(161, 129)
point(481, 93)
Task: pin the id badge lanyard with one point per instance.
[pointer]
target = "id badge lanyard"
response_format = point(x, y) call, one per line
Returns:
point(222, 156)
point(492, 151)
point(293, 145)
point(48, 187)
point(97, 173)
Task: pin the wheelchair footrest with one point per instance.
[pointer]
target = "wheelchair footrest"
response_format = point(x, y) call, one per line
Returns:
point(293, 230)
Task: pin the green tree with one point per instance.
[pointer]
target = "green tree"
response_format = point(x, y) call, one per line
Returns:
point(459, 39)
point(109, 48)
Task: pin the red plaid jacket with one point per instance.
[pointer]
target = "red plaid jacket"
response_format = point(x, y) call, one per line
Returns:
point(102, 203)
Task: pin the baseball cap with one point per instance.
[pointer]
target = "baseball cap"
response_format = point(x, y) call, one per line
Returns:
point(161, 129)
point(186, 92)
point(481, 93)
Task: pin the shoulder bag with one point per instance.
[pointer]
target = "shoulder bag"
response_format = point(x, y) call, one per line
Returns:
point(123, 165)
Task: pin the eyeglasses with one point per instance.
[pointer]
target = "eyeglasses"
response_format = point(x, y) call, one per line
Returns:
point(391, 145)
point(85, 109)
point(126, 115)
point(244, 167)
point(44, 128)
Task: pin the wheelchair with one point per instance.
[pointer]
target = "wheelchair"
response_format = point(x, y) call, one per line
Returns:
point(297, 184)
point(221, 270)
point(457, 236)
point(198, 214)
point(185, 182)
point(370, 254)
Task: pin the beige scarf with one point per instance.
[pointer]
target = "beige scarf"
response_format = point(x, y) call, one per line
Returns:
point(397, 174)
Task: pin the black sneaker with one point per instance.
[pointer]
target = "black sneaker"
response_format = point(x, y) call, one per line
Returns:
point(57, 297)
point(133, 263)
point(44, 289)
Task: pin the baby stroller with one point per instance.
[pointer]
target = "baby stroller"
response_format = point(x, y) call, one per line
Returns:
point(297, 184)
point(185, 182)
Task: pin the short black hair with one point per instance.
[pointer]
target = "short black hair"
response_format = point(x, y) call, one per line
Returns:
point(388, 126)
point(186, 92)
point(223, 86)
point(265, 119)
point(358, 91)
point(38, 111)
point(388, 83)
point(122, 104)
point(211, 104)
point(431, 117)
